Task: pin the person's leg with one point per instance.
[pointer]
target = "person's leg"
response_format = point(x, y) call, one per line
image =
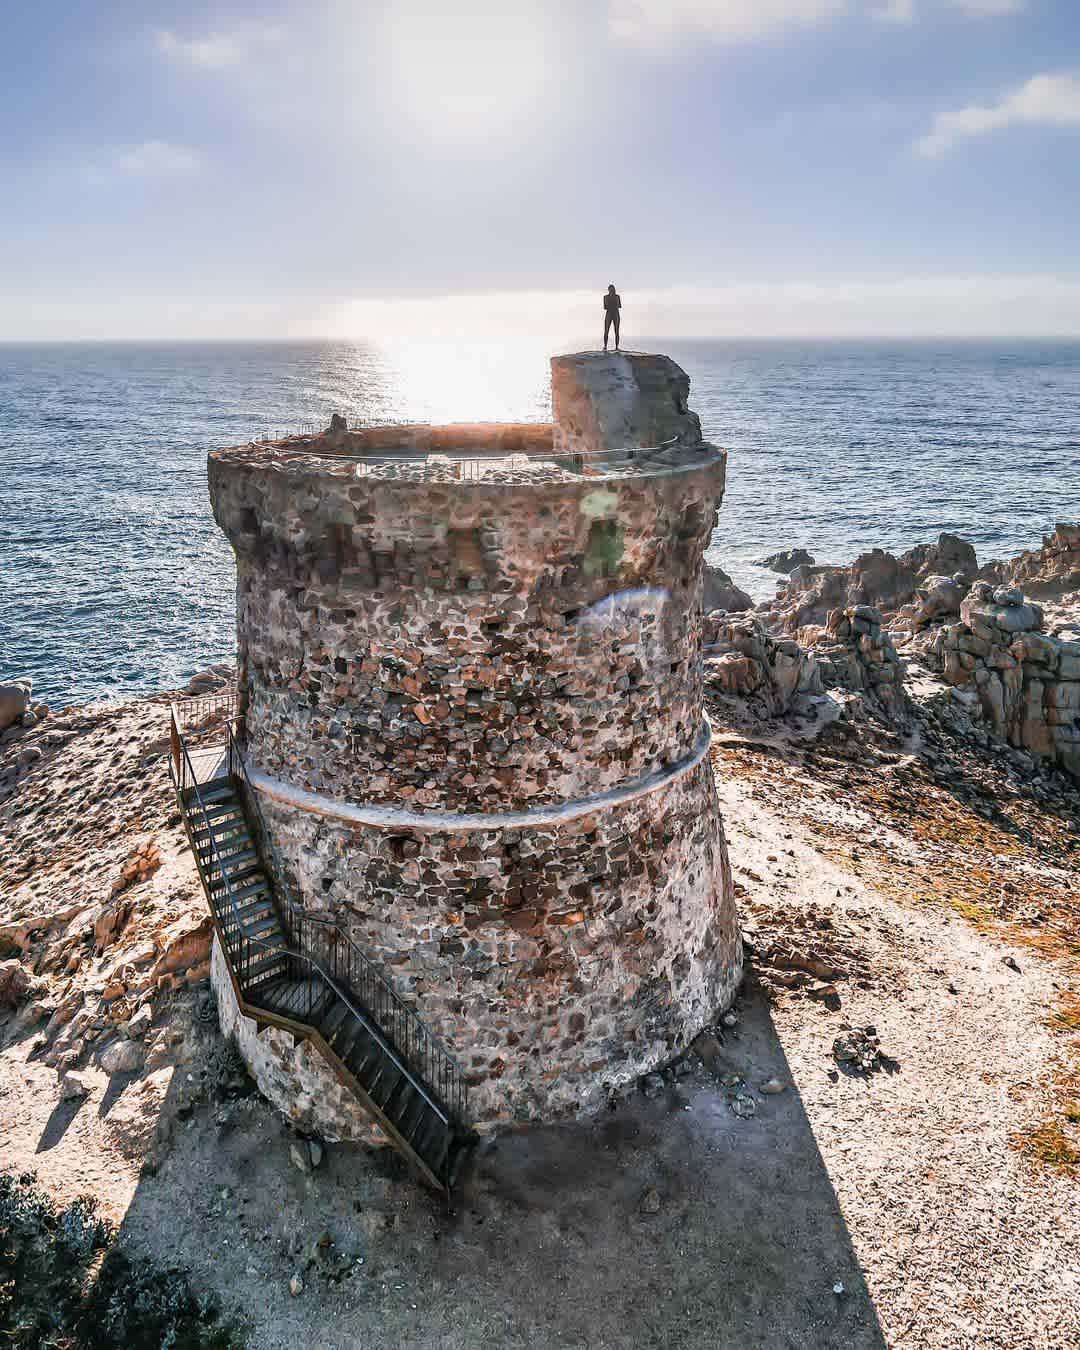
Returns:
point(616, 317)
point(607, 329)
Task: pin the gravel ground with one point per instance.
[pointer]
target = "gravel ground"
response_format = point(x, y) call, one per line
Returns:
point(903, 1208)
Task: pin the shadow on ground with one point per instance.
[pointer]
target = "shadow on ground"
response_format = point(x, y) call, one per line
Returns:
point(550, 1243)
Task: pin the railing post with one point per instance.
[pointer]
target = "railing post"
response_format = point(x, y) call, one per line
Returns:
point(174, 747)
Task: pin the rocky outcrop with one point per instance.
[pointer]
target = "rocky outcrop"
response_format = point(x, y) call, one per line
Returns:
point(877, 579)
point(787, 560)
point(853, 653)
point(1025, 683)
point(718, 591)
point(1052, 570)
point(618, 400)
point(744, 661)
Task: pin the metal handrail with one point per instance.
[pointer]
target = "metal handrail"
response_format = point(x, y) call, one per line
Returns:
point(453, 1085)
point(420, 453)
point(410, 1033)
point(206, 709)
point(285, 953)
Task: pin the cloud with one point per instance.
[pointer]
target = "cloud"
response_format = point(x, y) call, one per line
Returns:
point(988, 9)
point(646, 21)
point(219, 51)
point(148, 159)
point(1045, 100)
point(896, 11)
point(651, 21)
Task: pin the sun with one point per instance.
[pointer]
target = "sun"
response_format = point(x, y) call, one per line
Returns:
point(467, 74)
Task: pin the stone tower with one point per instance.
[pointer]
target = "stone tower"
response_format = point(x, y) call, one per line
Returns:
point(470, 662)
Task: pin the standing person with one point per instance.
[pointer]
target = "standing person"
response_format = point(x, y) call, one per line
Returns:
point(612, 305)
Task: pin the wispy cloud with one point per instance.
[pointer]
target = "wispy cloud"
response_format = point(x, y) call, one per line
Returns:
point(231, 47)
point(147, 159)
point(988, 9)
point(1044, 100)
point(895, 11)
point(652, 21)
point(647, 21)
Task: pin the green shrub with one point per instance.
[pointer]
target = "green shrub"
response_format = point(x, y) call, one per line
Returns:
point(51, 1298)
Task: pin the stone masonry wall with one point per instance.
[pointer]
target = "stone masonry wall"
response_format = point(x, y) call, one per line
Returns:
point(432, 644)
point(474, 711)
point(292, 1075)
point(555, 963)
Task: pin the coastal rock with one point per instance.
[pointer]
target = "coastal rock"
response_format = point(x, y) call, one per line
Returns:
point(14, 701)
point(787, 560)
point(211, 680)
point(853, 652)
point(877, 578)
point(743, 660)
point(1049, 571)
point(720, 592)
point(938, 598)
point(1023, 683)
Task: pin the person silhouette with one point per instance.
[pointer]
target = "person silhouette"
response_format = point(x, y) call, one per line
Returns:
point(612, 305)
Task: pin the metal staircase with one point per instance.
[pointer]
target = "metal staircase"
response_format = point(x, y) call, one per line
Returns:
point(297, 969)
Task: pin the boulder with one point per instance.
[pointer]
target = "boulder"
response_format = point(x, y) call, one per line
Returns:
point(745, 661)
point(16, 983)
point(787, 560)
point(937, 598)
point(14, 701)
point(123, 1057)
point(73, 1088)
point(720, 592)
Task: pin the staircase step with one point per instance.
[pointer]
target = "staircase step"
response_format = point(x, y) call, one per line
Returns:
point(262, 965)
point(224, 792)
point(411, 1110)
point(433, 1142)
point(396, 1098)
point(224, 847)
point(243, 876)
point(204, 841)
point(255, 892)
point(363, 1055)
point(349, 1036)
point(261, 928)
point(235, 860)
point(334, 1020)
point(220, 818)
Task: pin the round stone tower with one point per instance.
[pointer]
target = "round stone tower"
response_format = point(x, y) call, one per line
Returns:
point(469, 659)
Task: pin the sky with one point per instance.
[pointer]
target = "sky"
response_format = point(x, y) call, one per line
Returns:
point(350, 168)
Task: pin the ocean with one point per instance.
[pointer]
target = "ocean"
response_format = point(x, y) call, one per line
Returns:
point(115, 581)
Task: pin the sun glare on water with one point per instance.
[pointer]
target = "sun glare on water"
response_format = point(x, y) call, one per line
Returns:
point(438, 380)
